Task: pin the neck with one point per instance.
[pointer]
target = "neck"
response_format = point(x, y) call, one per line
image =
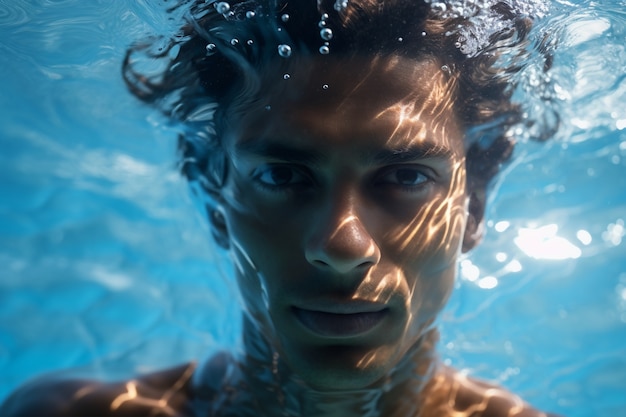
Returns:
point(273, 390)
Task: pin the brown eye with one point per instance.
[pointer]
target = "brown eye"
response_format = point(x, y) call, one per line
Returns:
point(280, 176)
point(403, 176)
point(409, 176)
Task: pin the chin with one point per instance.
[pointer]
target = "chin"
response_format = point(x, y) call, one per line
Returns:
point(343, 368)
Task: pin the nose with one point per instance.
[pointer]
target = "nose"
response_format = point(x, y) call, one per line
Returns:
point(341, 242)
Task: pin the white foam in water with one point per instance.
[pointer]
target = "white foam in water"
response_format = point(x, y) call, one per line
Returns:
point(484, 22)
point(586, 30)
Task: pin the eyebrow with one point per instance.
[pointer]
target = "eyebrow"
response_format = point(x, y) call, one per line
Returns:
point(387, 156)
point(412, 152)
point(280, 151)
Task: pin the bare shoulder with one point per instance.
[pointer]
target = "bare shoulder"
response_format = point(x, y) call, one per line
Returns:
point(163, 393)
point(461, 394)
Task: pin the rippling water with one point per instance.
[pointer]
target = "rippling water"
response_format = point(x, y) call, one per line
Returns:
point(106, 266)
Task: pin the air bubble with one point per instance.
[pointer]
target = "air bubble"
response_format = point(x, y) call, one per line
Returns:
point(439, 7)
point(326, 34)
point(284, 50)
point(222, 7)
point(210, 49)
point(249, 41)
point(400, 39)
point(286, 77)
point(423, 33)
point(324, 50)
point(234, 41)
point(322, 24)
point(250, 14)
point(285, 18)
point(341, 5)
point(325, 86)
point(445, 69)
point(268, 107)
point(324, 16)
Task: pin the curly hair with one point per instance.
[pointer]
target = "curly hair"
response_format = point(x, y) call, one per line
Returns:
point(216, 63)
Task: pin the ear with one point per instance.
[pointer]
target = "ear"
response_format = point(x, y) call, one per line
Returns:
point(475, 214)
point(219, 228)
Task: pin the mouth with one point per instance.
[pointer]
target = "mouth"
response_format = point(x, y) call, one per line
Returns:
point(340, 325)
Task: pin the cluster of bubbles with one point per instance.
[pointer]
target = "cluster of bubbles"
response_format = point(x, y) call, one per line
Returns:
point(482, 21)
point(472, 37)
point(326, 33)
point(468, 9)
point(340, 5)
point(284, 50)
point(224, 8)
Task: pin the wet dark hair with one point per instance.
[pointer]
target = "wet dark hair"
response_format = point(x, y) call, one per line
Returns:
point(215, 64)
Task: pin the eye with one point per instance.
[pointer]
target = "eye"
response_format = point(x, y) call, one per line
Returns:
point(403, 176)
point(280, 176)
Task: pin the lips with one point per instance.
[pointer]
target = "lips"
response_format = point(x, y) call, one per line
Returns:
point(340, 325)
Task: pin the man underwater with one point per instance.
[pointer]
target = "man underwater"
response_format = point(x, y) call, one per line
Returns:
point(344, 151)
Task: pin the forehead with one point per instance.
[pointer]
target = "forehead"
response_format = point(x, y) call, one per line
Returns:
point(352, 101)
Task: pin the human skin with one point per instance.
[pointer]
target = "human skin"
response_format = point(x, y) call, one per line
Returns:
point(347, 204)
point(345, 209)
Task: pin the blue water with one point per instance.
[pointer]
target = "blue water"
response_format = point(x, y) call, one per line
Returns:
point(107, 268)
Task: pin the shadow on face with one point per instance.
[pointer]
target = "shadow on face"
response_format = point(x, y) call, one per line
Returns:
point(346, 208)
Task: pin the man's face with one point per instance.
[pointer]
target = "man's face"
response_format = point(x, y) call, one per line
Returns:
point(345, 209)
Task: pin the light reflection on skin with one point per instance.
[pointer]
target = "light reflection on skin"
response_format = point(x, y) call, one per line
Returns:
point(344, 237)
point(133, 397)
point(446, 217)
point(338, 234)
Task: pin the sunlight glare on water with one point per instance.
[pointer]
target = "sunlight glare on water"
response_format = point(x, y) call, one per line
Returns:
point(543, 243)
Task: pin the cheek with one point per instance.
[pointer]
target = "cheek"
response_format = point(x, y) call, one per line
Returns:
point(437, 228)
point(265, 250)
point(432, 258)
point(431, 240)
point(428, 249)
point(430, 293)
point(246, 251)
point(427, 300)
